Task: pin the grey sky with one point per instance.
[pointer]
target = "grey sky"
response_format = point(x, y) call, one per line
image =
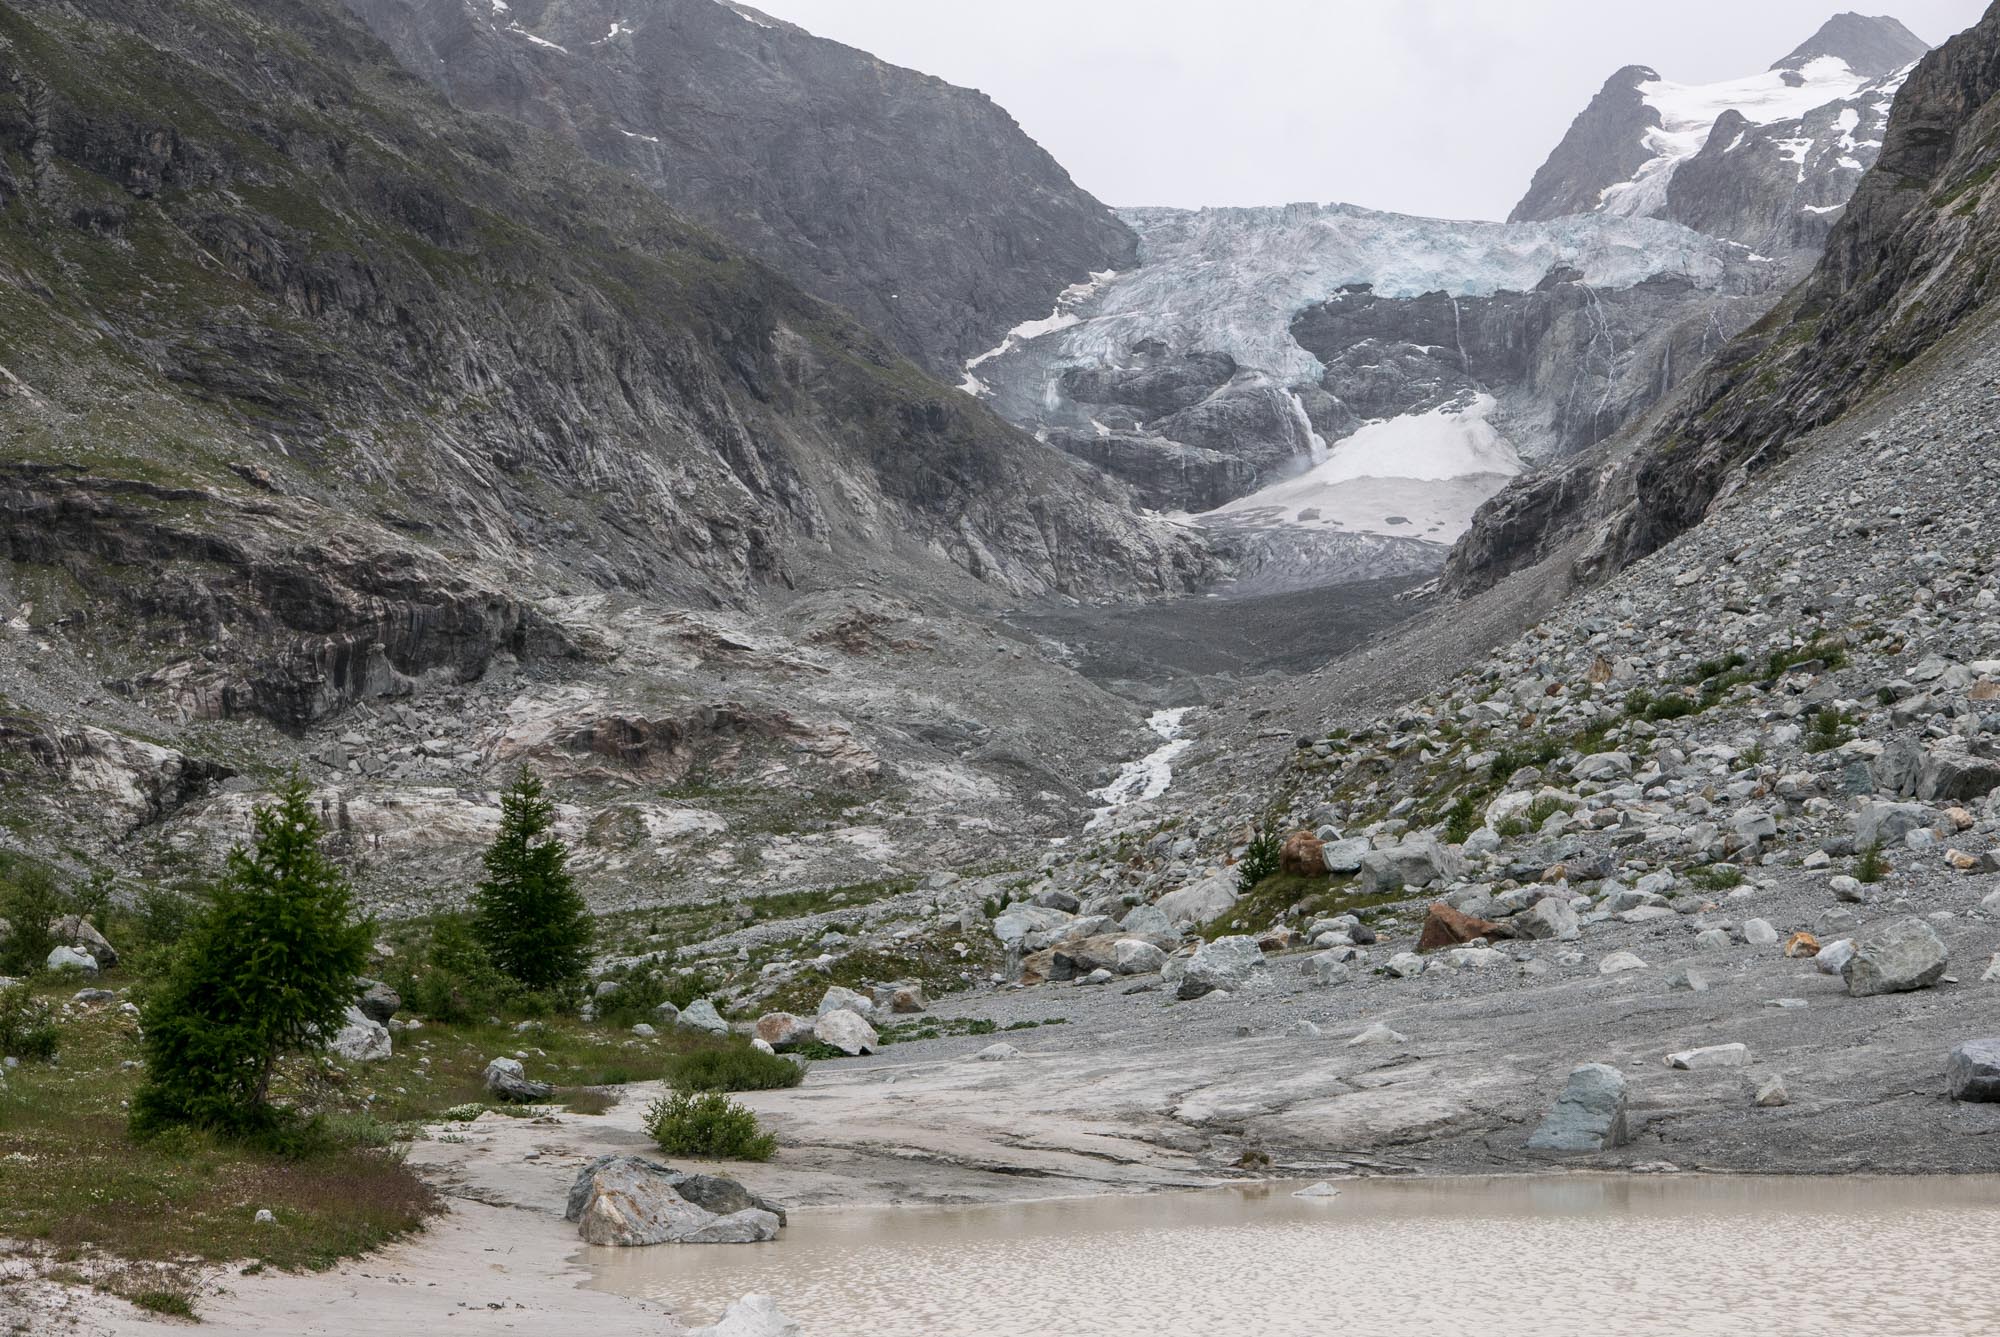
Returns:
point(1440, 107)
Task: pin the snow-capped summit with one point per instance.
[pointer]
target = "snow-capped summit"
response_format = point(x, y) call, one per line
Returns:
point(1766, 160)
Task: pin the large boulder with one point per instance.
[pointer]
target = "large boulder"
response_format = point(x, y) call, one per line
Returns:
point(1018, 921)
point(1589, 1115)
point(1890, 822)
point(848, 1032)
point(78, 932)
point(1201, 902)
point(1302, 855)
point(700, 1015)
point(1226, 963)
point(840, 996)
point(1417, 862)
point(1344, 856)
point(1136, 956)
point(69, 958)
point(506, 1081)
point(1552, 917)
point(752, 1316)
point(782, 1030)
point(378, 1002)
point(1446, 927)
point(627, 1202)
point(361, 1038)
point(1897, 957)
point(1147, 921)
point(1974, 1071)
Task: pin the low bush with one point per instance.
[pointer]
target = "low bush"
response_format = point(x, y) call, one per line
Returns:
point(707, 1124)
point(27, 1031)
point(732, 1068)
point(1871, 866)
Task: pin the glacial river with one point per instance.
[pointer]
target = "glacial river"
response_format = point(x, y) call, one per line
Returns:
point(1671, 1256)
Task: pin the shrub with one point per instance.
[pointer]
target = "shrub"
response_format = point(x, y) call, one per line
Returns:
point(528, 913)
point(1461, 819)
point(451, 978)
point(1716, 877)
point(1671, 708)
point(30, 901)
point(1260, 860)
point(735, 1068)
point(1829, 730)
point(268, 969)
point(1871, 866)
point(26, 1030)
point(1543, 808)
point(707, 1124)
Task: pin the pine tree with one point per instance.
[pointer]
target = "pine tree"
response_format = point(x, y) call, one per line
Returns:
point(528, 913)
point(267, 969)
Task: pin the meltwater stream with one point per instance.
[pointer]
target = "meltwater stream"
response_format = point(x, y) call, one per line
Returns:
point(1148, 777)
point(1682, 1256)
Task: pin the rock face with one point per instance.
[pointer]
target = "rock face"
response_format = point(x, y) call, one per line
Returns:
point(1899, 957)
point(626, 1202)
point(1648, 147)
point(918, 206)
point(1588, 1116)
point(1908, 262)
point(1974, 1071)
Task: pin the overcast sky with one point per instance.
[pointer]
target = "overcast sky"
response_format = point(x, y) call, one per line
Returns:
point(1439, 107)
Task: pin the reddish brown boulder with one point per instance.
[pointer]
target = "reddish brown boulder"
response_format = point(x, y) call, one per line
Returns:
point(1446, 927)
point(1302, 855)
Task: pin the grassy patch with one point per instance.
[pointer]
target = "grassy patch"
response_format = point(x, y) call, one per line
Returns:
point(933, 960)
point(1716, 876)
point(1318, 897)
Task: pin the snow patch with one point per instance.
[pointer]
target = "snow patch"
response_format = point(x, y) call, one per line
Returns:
point(1416, 476)
point(519, 31)
point(634, 134)
point(1063, 317)
point(1688, 113)
point(618, 29)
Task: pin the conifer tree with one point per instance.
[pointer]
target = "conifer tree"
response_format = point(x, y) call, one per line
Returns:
point(527, 912)
point(267, 969)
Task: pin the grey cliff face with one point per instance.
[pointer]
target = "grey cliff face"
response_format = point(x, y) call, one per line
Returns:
point(920, 207)
point(1874, 45)
point(1605, 145)
point(1569, 363)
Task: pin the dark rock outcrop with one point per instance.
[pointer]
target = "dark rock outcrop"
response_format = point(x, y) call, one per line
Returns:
point(1604, 145)
point(919, 206)
point(314, 382)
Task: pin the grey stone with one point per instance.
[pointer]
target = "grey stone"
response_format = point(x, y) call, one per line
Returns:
point(1131, 956)
point(1326, 969)
point(360, 1039)
point(1897, 957)
point(1890, 822)
point(847, 1031)
point(700, 1015)
point(1200, 902)
point(1759, 933)
point(1973, 1071)
point(1147, 921)
point(1226, 963)
point(840, 997)
point(1552, 917)
point(69, 958)
point(1711, 1056)
point(1588, 1116)
point(506, 1081)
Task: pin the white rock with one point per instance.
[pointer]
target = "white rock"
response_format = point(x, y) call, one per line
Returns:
point(752, 1316)
point(848, 1032)
point(361, 1039)
point(1710, 1056)
point(1319, 1190)
point(998, 1052)
point(1378, 1034)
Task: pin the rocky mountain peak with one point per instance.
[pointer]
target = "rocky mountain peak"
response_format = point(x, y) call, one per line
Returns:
point(1870, 45)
